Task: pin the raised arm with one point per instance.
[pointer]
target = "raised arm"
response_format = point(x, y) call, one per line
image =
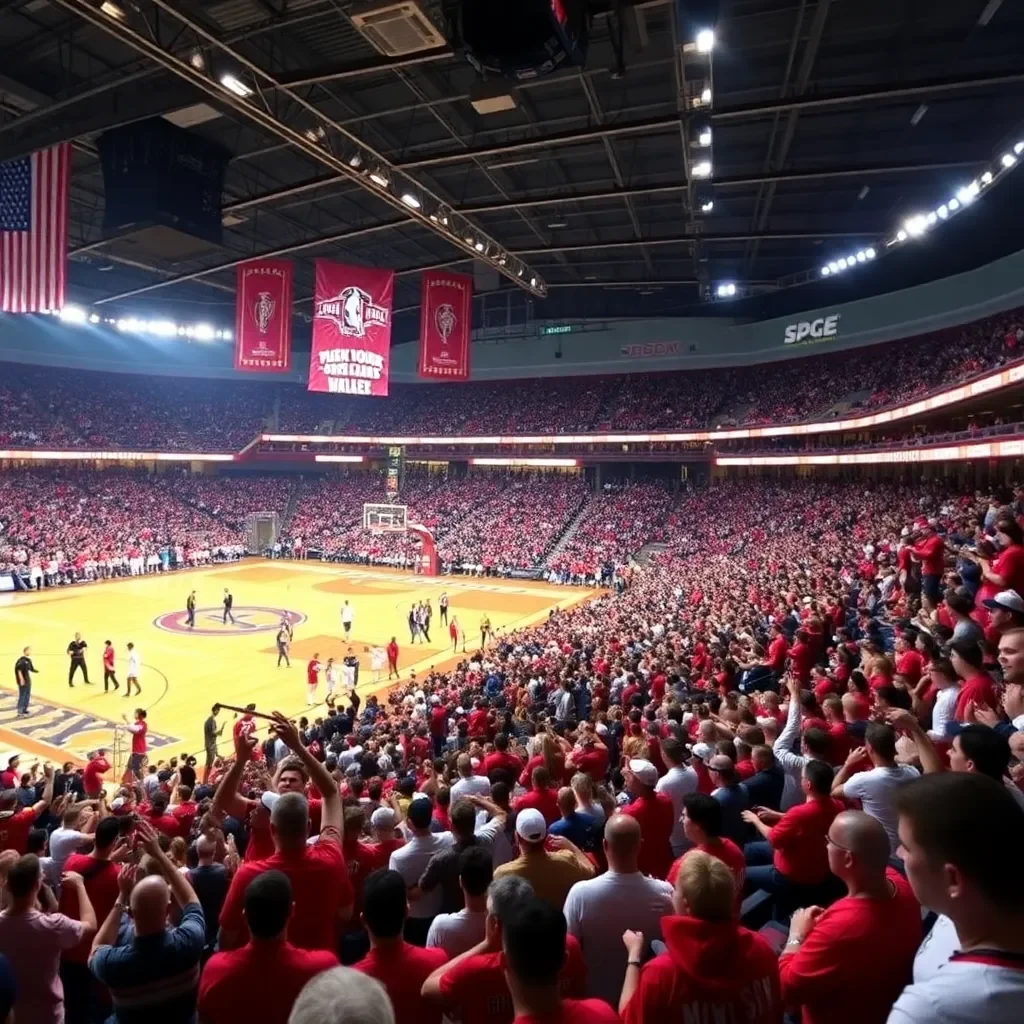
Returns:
point(226, 800)
point(47, 798)
point(331, 813)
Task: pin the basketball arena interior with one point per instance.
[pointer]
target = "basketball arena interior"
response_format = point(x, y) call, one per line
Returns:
point(629, 391)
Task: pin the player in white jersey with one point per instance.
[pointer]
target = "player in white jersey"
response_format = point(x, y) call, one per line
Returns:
point(134, 666)
point(346, 619)
point(331, 675)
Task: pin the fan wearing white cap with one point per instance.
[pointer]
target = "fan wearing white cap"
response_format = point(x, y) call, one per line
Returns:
point(553, 874)
point(655, 814)
point(1007, 611)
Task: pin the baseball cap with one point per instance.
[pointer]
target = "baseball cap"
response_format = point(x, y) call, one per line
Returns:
point(530, 825)
point(383, 818)
point(702, 750)
point(644, 771)
point(269, 800)
point(1008, 599)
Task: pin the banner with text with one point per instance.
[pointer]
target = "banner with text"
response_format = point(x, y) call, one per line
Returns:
point(351, 330)
point(263, 316)
point(446, 321)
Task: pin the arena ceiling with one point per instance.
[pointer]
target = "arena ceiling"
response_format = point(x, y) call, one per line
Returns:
point(831, 121)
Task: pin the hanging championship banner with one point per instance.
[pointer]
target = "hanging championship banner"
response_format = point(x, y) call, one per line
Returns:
point(446, 320)
point(263, 316)
point(351, 330)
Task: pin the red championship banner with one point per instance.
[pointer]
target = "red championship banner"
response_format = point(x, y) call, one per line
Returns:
point(263, 316)
point(446, 321)
point(351, 330)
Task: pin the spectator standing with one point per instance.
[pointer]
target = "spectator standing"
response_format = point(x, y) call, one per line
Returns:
point(400, 967)
point(849, 963)
point(455, 933)
point(972, 973)
point(654, 812)
point(676, 783)
point(534, 944)
point(234, 985)
point(156, 974)
point(23, 672)
point(411, 860)
point(876, 788)
point(320, 883)
point(100, 876)
point(598, 911)
point(32, 941)
point(210, 881)
point(732, 796)
point(713, 969)
point(16, 822)
point(551, 875)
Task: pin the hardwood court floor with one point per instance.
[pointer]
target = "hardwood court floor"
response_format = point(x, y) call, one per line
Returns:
point(185, 671)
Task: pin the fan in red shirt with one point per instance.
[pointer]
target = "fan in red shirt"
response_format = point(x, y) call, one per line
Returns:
point(977, 687)
point(362, 859)
point(543, 796)
point(320, 884)
point(245, 728)
point(15, 823)
point(262, 980)
point(184, 810)
point(590, 756)
point(801, 657)
point(714, 969)
point(702, 825)
point(501, 760)
point(909, 663)
point(156, 813)
point(1006, 571)
point(796, 840)
point(656, 815)
point(474, 986)
point(778, 648)
point(399, 966)
point(849, 963)
point(95, 768)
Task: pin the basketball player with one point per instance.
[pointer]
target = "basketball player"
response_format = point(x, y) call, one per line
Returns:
point(312, 678)
point(134, 664)
point(76, 651)
point(228, 602)
point(137, 761)
point(331, 677)
point(190, 608)
point(346, 619)
point(443, 606)
point(283, 638)
point(108, 667)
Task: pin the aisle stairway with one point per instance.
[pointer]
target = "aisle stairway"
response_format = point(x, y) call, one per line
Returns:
point(560, 545)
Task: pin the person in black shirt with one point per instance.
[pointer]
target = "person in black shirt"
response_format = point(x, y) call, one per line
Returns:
point(210, 736)
point(190, 608)
point(23, 669)
point(228, 602)
point(283, 636)
point(76, 651)
point(210, 882)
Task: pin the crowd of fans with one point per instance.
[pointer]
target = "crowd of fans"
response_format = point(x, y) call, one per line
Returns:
point(776, 773)
point(73, 525)
point(87, 409)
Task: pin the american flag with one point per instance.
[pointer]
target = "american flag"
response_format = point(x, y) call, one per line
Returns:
point(34, 230)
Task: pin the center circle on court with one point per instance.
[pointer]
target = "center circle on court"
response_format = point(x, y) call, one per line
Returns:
point(209, 621)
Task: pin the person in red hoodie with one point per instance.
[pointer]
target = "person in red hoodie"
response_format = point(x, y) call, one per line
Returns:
point(713, 967)
point(392, 650)
point(849, 963)
point(543, 796)
point(800, 657)
point(929, 549)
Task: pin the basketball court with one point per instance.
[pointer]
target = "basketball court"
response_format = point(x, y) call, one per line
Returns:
point(185, 670)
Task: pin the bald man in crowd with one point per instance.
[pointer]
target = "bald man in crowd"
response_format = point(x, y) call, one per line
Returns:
point(156, 975)
point(598, 911)
point(850, 962)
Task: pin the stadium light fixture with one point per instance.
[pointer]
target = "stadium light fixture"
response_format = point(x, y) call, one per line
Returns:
point(234, 84)
point(112, 10)
point(842, 262)
point(72, 315)
point(378, 177)
point(204, 332)
point(901, 235)
point(726, 290)
point(707, 206)
point(705, 96)
point(954, 205)
point(862, 256)
point(870, 252)
point(704, 137)
point(705, 40)
point(932, 218)
point(943, 211)
point(1018, 148)
point(355, 161)
point(94, 319)
point(411, 201)
point(915, 226)
point(834, 267)
point(1008, 159)
point(701, 169)
point(825, 271)
point(986, 178)
point(197, 60)
point(480, 248)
